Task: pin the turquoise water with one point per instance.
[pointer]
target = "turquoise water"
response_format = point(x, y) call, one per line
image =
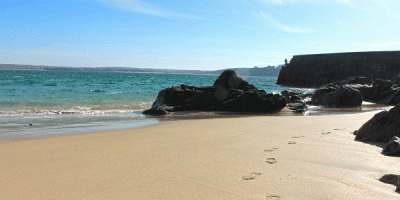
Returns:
point(64, 102)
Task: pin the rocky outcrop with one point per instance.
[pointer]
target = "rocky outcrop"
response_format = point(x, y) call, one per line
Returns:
point(382, 127)
point(229, 93)
point(292, 96)
point(320, 69)
point(337, 96)
point(378, 91)
point(294, 100)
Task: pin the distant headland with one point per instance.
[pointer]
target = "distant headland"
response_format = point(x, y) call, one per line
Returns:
point(319, 69)
point(271, 71)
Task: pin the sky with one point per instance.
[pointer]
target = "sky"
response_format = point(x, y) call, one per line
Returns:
point(182, 34)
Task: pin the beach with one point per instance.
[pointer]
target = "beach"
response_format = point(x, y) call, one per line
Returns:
point(251, 157)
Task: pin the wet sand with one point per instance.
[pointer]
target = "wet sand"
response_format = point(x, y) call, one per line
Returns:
point(259, 157)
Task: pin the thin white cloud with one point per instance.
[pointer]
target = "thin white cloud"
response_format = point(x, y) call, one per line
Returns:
point(144, 8)
point(274, 23)
point(347, 3)
point(285, 2)
point(389, 7)
point(385, 44)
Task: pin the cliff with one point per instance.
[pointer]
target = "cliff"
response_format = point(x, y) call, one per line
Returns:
point(319, 69)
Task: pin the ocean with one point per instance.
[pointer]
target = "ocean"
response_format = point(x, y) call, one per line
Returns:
point(45, 103)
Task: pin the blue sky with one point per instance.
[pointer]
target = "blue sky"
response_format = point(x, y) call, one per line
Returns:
point(182, 34)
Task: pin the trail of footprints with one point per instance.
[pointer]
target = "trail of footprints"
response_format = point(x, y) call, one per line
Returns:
point(271, 161)
point(251, 176)
point(273, 197)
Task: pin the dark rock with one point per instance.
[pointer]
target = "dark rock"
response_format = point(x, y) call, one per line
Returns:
point(253, 101)
point(297, 107)
point(392, 148)
point(366, 90)
point(396, 79)
point(292, 96)
point(337, 96)
point(354, 80)
point(229, 93)
point(381, 90)
point(362, 80)
point(382, 127)
point(227, 81)
point(186, 98)
point(394, 99)
point(156, 111)
point(391, 179)
point(291, 93)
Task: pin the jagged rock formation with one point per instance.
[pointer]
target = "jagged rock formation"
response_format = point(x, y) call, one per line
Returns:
point(229, 93)
point(373, 90)
point(319, 69)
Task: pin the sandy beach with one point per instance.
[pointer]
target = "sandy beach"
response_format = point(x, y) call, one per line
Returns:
point(261, 157)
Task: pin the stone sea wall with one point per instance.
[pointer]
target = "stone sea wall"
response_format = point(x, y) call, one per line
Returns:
point(319, 69)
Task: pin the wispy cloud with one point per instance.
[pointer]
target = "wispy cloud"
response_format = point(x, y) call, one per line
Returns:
point(389, 7)
point(276, 24)
point(144, 8)
point(385, 44)
point(285, 2)
point(347, 3)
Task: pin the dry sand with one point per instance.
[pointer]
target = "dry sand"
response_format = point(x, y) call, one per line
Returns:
point(264, 157)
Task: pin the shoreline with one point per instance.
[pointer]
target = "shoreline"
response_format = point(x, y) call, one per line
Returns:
point(68, 124)
point(259, 157)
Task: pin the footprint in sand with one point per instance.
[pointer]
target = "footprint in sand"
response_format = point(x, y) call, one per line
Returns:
point(273, 197)
point(270, 150)
point(271, 161)
point(251, 176)
point(326, 133)
point(291, 142)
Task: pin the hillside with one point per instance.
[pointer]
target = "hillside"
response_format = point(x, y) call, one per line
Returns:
point(256, 71)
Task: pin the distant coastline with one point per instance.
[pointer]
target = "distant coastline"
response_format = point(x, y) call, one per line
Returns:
point(271, 71)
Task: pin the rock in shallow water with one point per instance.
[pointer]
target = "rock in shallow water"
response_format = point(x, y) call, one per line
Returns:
point(229, 93)
point(337, 96)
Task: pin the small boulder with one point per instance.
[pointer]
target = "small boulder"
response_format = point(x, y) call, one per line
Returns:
point(337, 96)
point(391, 179)
point(382, 127)
point(392, 148)
point(292, 96)
point(362, 80)
point(297, 107)
point(394, 99)
point(156, 111)
point(291, 93)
